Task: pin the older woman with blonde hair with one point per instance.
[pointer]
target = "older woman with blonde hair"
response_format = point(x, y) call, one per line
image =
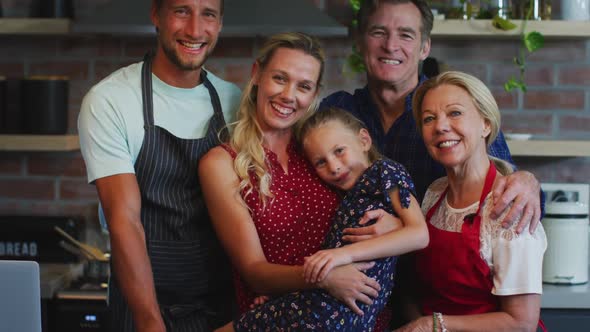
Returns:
point(474, 275)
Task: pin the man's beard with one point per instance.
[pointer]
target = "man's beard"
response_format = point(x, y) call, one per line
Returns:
point(175, 59)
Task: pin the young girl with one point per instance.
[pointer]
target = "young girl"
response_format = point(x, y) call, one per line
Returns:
point(340, 149)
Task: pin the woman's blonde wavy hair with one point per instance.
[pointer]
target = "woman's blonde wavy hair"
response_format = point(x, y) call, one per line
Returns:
point(482, 99)
point(247, 138)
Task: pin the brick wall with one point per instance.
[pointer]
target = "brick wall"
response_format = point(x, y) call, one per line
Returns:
point(556, 107)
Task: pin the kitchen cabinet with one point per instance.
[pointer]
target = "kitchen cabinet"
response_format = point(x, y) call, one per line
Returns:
point(549, 148)
point(566, 308)
point(39, 143)
point(566, 320)
point(34, 26)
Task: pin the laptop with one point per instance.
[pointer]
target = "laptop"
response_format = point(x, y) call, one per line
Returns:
point(20, 296)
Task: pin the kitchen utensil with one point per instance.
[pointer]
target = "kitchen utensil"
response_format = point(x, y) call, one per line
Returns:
point(72, 249)
point(97, 271)
point(90, 250)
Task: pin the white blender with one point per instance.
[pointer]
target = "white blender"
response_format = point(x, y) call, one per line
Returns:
point(567, 229)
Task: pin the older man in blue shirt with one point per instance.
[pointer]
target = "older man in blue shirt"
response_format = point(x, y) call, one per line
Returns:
point(393, 37)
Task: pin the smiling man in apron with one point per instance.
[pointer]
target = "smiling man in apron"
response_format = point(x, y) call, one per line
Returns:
point(142, 132)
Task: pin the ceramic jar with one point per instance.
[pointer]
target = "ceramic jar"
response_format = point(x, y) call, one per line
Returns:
point(575, 10)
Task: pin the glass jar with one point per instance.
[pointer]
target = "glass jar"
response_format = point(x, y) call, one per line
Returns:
point(541, 9)
point(502, 8)
point(471, 9)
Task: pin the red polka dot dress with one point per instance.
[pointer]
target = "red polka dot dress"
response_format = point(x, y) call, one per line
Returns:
point(294, 223)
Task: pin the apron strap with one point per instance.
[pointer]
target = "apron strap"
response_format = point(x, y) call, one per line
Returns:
point(146, 90)
point(489, 182)
point(472, 226)
point(217, 119)
point(542, 325)
point(473, 221)
point(148, 102)
point(487, 187)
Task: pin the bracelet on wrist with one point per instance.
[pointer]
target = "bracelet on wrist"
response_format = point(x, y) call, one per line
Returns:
point(438, 317)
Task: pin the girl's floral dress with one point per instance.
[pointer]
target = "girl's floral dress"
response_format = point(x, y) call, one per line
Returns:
point(316, 310)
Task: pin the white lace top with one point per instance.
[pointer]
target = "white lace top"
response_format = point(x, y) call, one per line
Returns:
point(516, 261)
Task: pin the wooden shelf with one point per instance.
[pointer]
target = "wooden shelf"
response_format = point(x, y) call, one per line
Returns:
point(484, 28)
point(34, 26)
point(39, 143)
point(534, 148)
point(442, 28)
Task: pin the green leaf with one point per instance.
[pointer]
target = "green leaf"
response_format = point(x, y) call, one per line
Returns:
point(355, 4)
point(502, 24)
point(534, 41)
point(514, 84)
point(355, 62)
point(508, 87)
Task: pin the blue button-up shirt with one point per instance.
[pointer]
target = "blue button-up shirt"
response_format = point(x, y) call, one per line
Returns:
point(402, 142)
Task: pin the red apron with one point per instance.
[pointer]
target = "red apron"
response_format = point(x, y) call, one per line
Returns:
point(454, 278)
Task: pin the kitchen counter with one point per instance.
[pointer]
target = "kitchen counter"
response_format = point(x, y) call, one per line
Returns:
point(566, 296)
point(55, 276)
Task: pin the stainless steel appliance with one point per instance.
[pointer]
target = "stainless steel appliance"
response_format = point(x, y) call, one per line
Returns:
point(81, 307)
point(73, 289)
point(566, 225)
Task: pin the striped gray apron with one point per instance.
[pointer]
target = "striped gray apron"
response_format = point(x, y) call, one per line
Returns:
point(191, 273)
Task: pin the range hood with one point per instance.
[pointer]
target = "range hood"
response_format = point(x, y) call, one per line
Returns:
point(242, 18)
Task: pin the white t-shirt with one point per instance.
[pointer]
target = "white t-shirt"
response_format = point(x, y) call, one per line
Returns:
point(515, 260)
point(110, 123)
